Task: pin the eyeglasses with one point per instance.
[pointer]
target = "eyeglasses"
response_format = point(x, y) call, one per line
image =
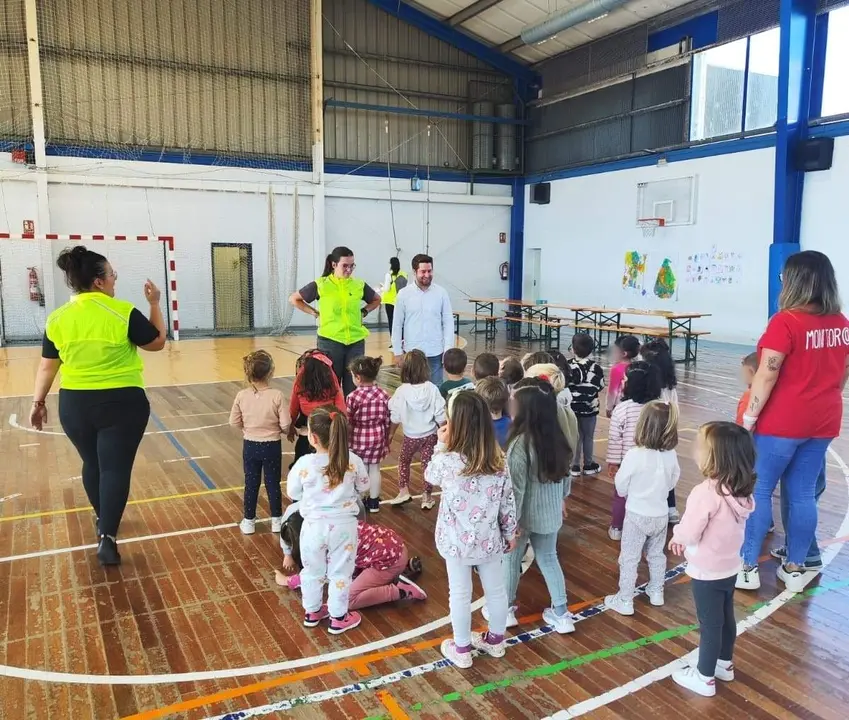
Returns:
point(345, 266)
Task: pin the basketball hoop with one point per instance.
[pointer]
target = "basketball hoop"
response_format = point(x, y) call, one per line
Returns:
point(650, 225)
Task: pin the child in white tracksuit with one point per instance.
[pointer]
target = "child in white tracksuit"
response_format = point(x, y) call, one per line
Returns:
point(327, 485)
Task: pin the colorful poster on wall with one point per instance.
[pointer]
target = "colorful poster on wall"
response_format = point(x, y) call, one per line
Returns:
point(715, 267)
point(633, 276)
point(665, 284)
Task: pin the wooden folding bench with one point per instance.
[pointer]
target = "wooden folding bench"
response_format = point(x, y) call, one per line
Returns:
point(489, 323)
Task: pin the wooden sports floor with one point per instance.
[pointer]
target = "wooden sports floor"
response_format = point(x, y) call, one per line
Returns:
point(192, 625)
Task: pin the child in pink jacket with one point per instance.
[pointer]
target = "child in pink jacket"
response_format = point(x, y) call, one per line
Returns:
point(710, 535)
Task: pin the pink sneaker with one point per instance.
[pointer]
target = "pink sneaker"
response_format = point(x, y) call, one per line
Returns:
point(294, 582)
point(409, 590)
point(349, 622)
point(314, 618)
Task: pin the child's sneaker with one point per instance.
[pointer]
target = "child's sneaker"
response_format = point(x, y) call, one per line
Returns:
point(674, 516)
point(656, 598)
point(373, 505)
point(311, 619)
point(748, 578)
point(614, 534)
point(276, 524)
point(692, 679)
point(619, 604)
point(724, 670)
point(492, 645)
point(402, 499)
point(563, 624)
point(409, 590)
point(413, 569)
point(511, 616)
point(576, 471)
point(339, 625)
point(462, 660)
point(248, 527)
point(592, 468)
point(427, 501)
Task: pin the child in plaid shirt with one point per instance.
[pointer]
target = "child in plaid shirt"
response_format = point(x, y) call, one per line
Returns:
point(368, 414)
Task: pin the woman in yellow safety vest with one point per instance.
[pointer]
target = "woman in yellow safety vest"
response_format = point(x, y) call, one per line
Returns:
point(103, 408)
point(341, 333)
point(395, 281)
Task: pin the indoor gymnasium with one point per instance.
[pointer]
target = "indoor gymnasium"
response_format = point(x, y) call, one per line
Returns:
point(378, 359)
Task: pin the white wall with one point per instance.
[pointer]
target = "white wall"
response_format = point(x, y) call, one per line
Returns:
point(200, 205)
point(825, 213)
point(588, 227)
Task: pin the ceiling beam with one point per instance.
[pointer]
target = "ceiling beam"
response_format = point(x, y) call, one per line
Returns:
point(511, 45)
point(476, 8)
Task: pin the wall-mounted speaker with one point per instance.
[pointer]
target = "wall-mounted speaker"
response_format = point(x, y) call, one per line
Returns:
point(814, 154)
point(541, 193)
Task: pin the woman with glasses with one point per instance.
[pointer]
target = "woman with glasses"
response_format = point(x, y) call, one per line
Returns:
point(795, 411)
point(341, 310)
point(103, 408)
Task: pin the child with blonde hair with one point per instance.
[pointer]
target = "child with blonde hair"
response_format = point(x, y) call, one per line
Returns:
point(648, 472)
point(368, 414)
point(550, 373)
point(419, 409)
point(476, 524)
point(327, 484)
point(260, 412)
point(710, 535)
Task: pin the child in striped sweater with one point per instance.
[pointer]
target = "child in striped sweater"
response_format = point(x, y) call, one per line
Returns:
point(642, 385)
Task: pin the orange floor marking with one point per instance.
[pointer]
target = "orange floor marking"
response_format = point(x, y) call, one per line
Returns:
point(392, 706)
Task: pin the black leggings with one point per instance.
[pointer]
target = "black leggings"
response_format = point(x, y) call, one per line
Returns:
point(341, 355)
point(106, 427)
point(263, 458)
point(717, 624)
point(390, 315)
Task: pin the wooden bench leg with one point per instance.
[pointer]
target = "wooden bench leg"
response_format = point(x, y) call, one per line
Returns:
point(456, 324)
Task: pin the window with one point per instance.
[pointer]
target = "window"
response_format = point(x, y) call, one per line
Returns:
point(835, 94)
point(717, 95)
point(735, 87)
point(762, 81)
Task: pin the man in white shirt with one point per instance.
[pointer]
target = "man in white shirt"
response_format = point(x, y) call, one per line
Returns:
point(423, 318)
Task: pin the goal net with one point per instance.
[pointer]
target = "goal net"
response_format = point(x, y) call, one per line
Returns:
point(31, 285)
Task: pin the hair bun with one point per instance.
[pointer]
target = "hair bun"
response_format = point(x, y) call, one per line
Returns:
point(71, 258)
point(79, 250)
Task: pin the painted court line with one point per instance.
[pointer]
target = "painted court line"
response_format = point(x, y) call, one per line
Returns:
point(186, 455)
point(13, 422)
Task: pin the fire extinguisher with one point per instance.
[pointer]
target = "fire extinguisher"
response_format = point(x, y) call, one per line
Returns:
point(35, 294)
point(504, 270)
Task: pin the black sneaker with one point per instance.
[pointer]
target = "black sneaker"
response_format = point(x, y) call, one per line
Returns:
point(373, 505)
point(592, 469)
point(107, 551)
point(780, 553)
point(414, 567)
point(576, 471)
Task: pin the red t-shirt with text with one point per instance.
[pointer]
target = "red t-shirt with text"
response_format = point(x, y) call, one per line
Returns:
point(807, 400)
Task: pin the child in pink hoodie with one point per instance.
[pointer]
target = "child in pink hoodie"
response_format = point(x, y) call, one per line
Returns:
point(710, 535)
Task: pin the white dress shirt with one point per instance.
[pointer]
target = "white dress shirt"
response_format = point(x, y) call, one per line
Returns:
point(423, 321)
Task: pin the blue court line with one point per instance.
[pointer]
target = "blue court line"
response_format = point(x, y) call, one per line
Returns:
point(204, 478)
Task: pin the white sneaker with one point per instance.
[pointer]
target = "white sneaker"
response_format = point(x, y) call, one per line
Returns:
point(427, 501)
point(614, 534)
point(674, 516)
point(619, 604)
point(460, 660)
point(403, 497)
point(248, 527)
point(511, 616)
point(656, 598)
point(692, 679)
point(564, 624)
point(725, 670)
point(748, 579)
point(794, 580)
point(480, 644)
point(277, 524)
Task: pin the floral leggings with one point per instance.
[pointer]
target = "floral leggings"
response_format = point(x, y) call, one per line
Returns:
point(424, 446)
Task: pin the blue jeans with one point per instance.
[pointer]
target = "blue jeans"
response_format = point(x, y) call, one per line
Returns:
point(797, 462)
point(435, 364)
point(545, 554)
point(814, 550)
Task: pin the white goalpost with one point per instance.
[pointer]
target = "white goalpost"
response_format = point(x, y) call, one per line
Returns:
point(30, 282)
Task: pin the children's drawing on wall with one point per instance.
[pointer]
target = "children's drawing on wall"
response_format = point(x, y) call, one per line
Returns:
point(633, 276)
point(716, 267)
point(665, 285)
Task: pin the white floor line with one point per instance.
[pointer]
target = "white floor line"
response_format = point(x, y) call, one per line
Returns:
point(186, 459)
point(13, 422)
point(10, 497)
point(761, 614)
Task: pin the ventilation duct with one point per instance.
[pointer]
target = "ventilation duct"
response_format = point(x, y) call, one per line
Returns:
point(559, 22)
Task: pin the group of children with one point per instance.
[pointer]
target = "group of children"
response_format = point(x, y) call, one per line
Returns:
point(503, 448)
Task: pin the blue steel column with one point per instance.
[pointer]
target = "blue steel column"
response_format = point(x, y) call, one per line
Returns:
point(517, 240)
point(795, 64)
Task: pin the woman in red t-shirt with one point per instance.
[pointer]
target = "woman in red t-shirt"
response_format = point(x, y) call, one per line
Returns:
point(795, 409)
